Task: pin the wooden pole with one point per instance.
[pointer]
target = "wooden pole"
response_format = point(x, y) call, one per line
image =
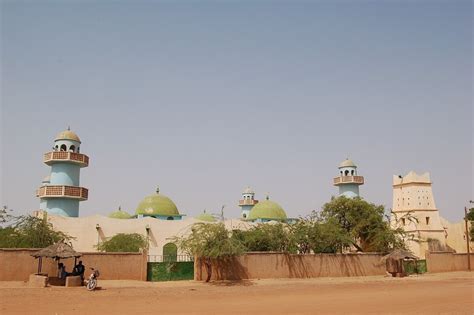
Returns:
point(467, 241)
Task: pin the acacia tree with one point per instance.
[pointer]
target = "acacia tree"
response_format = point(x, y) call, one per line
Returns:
point(5, 215)
point(209, 241)
point(30, 232)
point(122, 242)
point(470, 218)
point(264, 237)
point(364, 224)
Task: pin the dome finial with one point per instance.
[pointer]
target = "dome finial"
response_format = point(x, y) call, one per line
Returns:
point(157, 189)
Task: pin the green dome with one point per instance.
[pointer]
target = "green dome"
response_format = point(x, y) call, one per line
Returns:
point(119, 214)
point(347, 163)
point(267, 210)
point(206, 217)
point(157, 204)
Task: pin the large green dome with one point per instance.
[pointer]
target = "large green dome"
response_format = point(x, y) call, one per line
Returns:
point(119, 214)
point(157, 204)
point(267, 210)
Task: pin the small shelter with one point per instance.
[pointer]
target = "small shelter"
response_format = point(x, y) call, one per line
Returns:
point(394, 261)
point(60, 250)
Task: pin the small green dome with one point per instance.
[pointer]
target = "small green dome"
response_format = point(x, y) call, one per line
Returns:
point(119, 214)
point(206, 217)
point(267, 210)
point(347, 163)
point(157, 204)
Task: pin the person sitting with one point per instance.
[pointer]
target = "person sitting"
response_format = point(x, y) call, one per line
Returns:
point(62, 273)
point(79, 270)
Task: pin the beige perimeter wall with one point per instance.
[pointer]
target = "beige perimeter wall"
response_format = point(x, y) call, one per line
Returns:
point(447, 261)
point(264, 265)
point(18, 264)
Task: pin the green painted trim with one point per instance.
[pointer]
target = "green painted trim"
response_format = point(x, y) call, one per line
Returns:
point(170, 271)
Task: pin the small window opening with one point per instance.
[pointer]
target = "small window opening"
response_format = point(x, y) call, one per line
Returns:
point(427, 220)
point(346, 172)
point(72, 148)
point(403, 221)
point(63, 147)
point(352, 172)
point(170, 218)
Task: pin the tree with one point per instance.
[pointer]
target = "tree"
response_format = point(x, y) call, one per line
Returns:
point(364, 224)
point(209, 241)
point(30, 232)
point(264, 237)
point(5, 215)
point(470, 217)
point(124, 243)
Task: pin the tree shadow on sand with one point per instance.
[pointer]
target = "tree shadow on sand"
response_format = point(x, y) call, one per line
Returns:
point(231, 283)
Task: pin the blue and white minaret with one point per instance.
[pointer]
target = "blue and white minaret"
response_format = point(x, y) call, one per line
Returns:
point(60, 192)
point(348, 180)
point(247, 202)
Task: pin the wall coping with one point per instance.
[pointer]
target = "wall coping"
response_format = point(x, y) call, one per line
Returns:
point(87, 253)
point(317, 254)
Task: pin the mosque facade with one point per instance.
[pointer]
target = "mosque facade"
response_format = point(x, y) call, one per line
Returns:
point(158, 218)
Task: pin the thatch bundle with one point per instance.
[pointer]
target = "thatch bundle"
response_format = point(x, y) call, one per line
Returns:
point(57, 251)
point(398, 254)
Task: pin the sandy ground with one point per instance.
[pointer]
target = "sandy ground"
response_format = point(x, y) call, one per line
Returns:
point(443, 293)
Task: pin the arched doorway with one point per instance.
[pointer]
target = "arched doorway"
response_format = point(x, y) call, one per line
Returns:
point(170, 252)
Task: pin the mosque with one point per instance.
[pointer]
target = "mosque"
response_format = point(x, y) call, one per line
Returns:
point(159, 219)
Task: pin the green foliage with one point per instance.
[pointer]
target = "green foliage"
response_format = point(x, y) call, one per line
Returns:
point(470, 214)
point(275, 237)
point(124, 243)
point(209, 240)
point(329, 237)
point(30, 232)
point(470, 217)
point(364, 224)
point(5, 215)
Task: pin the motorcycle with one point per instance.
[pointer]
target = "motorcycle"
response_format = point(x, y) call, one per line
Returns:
point(91, 283)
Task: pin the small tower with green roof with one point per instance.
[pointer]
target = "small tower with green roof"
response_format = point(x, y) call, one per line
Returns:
point(61, 192)
point(348, 181)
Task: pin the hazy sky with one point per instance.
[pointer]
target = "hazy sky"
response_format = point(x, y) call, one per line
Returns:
point(205, 98)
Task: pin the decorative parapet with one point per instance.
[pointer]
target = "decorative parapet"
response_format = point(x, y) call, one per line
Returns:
point(248, 202)
point(57, 191)
point(348, 180)
point(64, 156)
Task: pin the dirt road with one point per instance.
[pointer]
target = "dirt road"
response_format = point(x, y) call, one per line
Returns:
point(445, 293)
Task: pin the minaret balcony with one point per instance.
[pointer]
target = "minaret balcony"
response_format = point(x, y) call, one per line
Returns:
point(341, 180)
point(58, 191)
point(248, 202)
point(63, 156)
